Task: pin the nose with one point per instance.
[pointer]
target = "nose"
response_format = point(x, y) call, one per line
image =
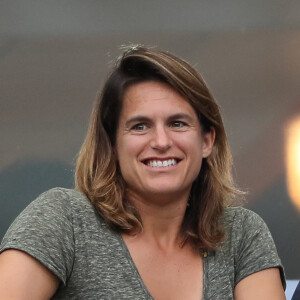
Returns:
point(161, 139)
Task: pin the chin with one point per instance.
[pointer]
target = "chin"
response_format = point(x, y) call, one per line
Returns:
point(165, 190)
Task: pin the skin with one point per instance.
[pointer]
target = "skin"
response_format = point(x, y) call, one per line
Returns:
point(155, 123)
point(22, 277)
point(265, 284)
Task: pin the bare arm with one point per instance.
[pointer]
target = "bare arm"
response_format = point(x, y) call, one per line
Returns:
point(262, 285)
point(23, 277)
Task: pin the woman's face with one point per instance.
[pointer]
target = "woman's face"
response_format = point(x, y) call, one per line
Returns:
point(160, 144)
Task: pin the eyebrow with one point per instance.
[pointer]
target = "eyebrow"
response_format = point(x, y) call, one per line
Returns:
point(138, 118)
point(141, 118)
point(181, 116)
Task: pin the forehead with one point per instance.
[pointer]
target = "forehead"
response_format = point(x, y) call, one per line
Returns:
point(153, 97)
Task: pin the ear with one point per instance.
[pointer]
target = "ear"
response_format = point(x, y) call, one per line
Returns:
point(208, 142)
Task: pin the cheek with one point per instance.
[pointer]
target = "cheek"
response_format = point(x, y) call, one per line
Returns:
point(192, 146)
point(191, 143)
point(128, 150)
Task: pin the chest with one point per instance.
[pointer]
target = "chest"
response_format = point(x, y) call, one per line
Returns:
point(177, 275)
point(107, 268)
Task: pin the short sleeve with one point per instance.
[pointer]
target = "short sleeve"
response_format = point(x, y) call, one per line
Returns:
point(255, 249)
point(44, 230)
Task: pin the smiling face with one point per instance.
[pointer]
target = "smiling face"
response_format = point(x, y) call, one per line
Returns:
point(160, 144)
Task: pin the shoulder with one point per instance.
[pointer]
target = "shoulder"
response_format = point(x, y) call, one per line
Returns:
point(243, 226)
point(50, 213)
point(55, 213)
point(59, 196)
point(238, 213)
point(48, 228)
point(58, 201)
point(249, 243)
point(240, 219)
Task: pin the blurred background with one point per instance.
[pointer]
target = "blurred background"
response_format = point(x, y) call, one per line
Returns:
point(54, 56)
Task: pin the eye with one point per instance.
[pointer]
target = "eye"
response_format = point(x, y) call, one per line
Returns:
point(139, 127)
point(178, 124)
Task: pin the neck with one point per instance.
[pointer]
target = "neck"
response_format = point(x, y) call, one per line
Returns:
point(162, 218)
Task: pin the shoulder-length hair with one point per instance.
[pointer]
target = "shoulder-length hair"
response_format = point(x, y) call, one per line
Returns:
point(97, 172)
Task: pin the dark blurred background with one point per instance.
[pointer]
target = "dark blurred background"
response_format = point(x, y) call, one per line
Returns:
point(54, 56)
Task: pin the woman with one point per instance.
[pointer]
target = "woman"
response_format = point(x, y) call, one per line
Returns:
point(150, 217)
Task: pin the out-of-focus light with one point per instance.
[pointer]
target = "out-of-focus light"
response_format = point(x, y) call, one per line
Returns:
point(293, 160)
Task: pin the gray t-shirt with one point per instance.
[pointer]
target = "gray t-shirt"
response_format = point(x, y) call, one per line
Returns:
point(62, 230)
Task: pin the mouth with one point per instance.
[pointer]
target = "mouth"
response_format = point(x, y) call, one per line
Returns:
point(161, 163)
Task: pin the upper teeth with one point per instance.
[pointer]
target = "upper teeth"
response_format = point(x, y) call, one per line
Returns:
point(162, 163)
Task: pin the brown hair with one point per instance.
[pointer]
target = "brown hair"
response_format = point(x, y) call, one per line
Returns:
point(97, 172)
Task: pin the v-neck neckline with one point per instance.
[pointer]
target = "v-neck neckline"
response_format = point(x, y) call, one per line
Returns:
point(134, 267)
point(139, 277)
